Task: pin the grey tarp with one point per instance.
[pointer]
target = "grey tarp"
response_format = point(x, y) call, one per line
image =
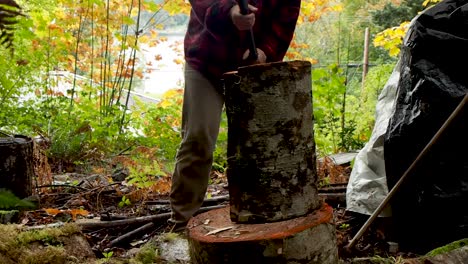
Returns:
point(427, 84)
point(367, 185)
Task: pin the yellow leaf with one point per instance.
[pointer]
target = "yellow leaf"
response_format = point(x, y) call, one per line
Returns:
point(170, 94)
point(178, 61)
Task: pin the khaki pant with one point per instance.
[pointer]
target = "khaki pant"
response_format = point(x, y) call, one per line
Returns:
point(201, 116)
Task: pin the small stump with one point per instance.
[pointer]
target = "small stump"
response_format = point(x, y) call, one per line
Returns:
point(17, 165)
point(307, 239)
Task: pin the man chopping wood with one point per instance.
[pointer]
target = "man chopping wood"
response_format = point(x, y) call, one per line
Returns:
point(221, 36)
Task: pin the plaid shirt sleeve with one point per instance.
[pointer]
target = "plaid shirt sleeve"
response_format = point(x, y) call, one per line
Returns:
point(278, 29)
point(213, 14)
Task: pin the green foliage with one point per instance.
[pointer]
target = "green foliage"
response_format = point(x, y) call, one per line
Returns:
point(108, 255)
point(328, 88)
point(393, 15)
point(345, 114)
point(10, 201)
point(9, 11)
point(90, 121)
point(344, 226)
point(362, 100)
point(158, 124)
point(219, 156)
point(124, 202)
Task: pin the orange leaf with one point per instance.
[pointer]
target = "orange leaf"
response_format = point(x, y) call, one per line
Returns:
point(75, 212)
point(52, 211)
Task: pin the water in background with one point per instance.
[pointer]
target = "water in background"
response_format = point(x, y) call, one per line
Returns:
point(164, 65)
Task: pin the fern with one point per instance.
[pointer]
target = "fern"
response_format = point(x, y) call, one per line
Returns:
point(9, 201)
point(9, 11)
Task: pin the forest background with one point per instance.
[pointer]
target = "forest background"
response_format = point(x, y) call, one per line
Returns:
point(71, 74)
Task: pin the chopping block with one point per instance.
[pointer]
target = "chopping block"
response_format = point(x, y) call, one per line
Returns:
point(275, 214)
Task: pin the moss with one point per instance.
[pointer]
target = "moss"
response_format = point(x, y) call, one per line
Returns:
point(48, 235)
point(4, 212)
point(8, 216)
point(34, 246)
point(47, 255)
point(148, 254)
point(449, 247)
point(169, 237)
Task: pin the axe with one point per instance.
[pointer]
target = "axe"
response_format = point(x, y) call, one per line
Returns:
point(253, 55)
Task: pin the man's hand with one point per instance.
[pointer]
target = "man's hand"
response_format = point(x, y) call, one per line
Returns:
point(260, 59)
point(243, 22)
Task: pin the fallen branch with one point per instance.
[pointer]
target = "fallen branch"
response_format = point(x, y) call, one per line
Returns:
point(217, 199)
point(92, 224)
point(62, 185)
point(130, 234)
point(38, 227)
point(333, 198)
point(222, 198)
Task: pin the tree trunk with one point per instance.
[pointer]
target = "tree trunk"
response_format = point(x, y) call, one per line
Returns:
point(16, 165)
point(271, 148)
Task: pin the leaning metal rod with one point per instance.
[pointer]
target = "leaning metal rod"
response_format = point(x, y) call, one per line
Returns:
point(395, 188)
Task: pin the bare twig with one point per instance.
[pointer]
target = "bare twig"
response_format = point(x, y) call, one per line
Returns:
point(38, 227)
point(62, 185)
point(130, 234)
point(87, 224)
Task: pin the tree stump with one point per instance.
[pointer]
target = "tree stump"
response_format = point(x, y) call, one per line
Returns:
point(271, 149)
point(307, 239)
point(275, 215)
point(16, 165)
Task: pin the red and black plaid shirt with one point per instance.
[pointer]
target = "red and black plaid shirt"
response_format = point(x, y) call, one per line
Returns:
point(213, 45)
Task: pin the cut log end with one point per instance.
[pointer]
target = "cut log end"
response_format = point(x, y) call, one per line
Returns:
point(213, 238)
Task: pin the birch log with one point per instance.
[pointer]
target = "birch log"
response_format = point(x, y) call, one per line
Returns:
point(271, 150)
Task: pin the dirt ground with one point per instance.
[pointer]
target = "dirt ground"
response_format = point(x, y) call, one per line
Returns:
point(96, 198)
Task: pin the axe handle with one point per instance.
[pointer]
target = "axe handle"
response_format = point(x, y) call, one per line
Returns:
point(244, 8)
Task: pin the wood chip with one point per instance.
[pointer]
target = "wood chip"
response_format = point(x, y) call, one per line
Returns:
point(219, 230)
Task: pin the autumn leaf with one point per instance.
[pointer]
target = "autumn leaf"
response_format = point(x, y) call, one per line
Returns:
point(427, 3)
point(312, 10)
point(76, 212)
point(52, 211)
point(391, 39)
point(177, 7)
point(73, 212)
point(178, 61)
